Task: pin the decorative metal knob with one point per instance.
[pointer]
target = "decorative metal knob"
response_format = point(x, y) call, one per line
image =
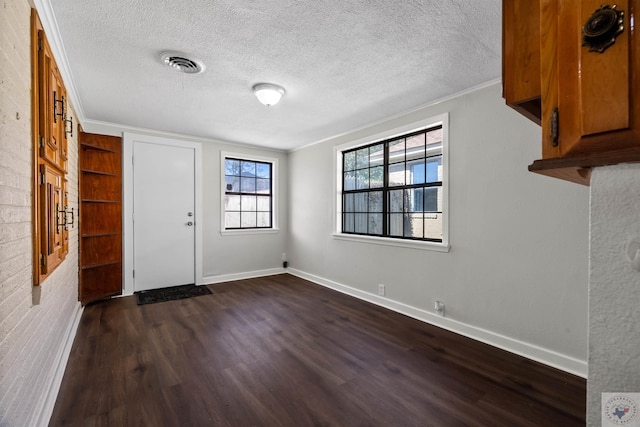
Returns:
point(602, 28)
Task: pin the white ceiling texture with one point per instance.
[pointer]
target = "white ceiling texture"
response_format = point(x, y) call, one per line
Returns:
point(344, 64)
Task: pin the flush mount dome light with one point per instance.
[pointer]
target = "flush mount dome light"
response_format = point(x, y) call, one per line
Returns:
point(181, 62)
point(268, 94)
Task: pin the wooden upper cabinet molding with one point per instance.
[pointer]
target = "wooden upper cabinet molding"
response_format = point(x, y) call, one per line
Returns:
point(589, 95)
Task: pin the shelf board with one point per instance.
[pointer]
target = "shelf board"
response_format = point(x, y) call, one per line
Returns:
point(99, 201)
point(99, 264)
point(98, 172)
point(578, 168)
point(115, 233)
point(98, 148)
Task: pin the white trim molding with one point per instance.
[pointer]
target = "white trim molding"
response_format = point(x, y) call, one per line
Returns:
point(210, 280)
point(530, 351)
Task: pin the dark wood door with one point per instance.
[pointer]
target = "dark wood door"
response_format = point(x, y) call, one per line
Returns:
point(100, 163)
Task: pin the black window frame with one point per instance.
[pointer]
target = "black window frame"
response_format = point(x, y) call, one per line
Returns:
point(387, 188)
point(255, 193)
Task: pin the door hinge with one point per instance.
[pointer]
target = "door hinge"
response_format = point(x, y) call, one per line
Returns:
point(134, 274)
point(554, 127)
point(43, 178)
point(39, 44)
point(42, 142)
point(42, 261)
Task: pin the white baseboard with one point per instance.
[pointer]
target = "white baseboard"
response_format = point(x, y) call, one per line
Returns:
point(60, 365)
point(530, 351)
point(240, 276)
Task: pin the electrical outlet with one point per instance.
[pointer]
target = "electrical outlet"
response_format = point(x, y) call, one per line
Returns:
point(284, 256)
point(438, 306)
point(381, 290)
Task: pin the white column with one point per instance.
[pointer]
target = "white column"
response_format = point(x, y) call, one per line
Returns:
point(614, 286)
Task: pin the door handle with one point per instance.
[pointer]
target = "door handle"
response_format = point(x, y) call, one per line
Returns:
point(190, 223)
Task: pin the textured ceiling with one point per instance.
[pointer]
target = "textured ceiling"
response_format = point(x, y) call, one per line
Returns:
point(344, 63)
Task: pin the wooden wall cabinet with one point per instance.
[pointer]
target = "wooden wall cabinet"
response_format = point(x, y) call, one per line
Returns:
point(50, 156)
point(589, 112)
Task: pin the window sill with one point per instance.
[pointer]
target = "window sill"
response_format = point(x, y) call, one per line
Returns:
point(411, 244)
point(248, 231)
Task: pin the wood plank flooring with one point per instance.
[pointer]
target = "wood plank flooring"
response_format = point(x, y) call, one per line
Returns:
point(281, 351)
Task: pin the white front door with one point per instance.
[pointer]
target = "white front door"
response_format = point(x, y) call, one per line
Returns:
point(164, 215)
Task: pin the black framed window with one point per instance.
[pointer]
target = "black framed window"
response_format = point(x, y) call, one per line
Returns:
point(393, 188)
point(248, 200)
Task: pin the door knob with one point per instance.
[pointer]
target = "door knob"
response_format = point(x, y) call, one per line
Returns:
point(190, 223)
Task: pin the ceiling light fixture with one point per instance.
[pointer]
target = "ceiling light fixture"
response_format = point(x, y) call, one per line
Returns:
point(268, 94)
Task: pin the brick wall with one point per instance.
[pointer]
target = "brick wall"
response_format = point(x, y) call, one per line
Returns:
point(33, 338)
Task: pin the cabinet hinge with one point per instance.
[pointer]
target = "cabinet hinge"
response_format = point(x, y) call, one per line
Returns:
point(42, 142)
point(39, 44)
point(42, 261)
point(554, 127)
point(43, 178)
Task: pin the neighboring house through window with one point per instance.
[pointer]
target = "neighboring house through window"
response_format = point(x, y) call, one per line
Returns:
point(395, 187)
point(248, 193)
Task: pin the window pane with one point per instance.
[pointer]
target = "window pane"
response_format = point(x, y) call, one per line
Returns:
point(264, 204)
point(248, 185)
point(414, 226)
point(375, 224)
point(264, 219)
point(433, 226)
point(362, 179)
point(434, 169)
point(415, 200)
point(348, 222)
point(232, 184)
point(248, 168)
point(350, 161)
point(348, 203)
point(362, 158)
point(349, 181)
point(361, 223)
point(263, 186)
point(232, 167)
point(396, 174)
point(396, 151)
point(361, 200)
point(232, 220)
point(375, 201)
point(248, 219)
point(415, 172)
point(395, 224)
point(232, 203)
point(433, 199)
point(263, 170)
point(248, 203)
point(376, 176)
point(395, 201)
point(416, 146)
point(376, 155)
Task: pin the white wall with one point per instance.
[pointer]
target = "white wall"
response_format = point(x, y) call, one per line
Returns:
point(34, 339)
point(230, 256)
point(516, 274)
point(614, 286)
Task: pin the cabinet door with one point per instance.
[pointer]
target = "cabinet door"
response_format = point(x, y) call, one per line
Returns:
point(53, 233)
point(47, 87)
point(521, 56)
point(587, 95)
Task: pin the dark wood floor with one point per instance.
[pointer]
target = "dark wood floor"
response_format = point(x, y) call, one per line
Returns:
point(280, 351)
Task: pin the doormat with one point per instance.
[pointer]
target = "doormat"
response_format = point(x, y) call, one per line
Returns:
point(172, 293)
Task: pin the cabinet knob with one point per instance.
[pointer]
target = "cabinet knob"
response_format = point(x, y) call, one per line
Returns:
point(602, 28)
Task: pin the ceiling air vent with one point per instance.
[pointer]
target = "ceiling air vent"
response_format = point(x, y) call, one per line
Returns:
point(180, 62)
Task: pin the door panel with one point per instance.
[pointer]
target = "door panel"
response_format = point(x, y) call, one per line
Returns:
point(164, 215)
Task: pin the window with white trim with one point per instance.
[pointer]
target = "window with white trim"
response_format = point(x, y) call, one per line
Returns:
point(248, 193)
point(395, 187)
